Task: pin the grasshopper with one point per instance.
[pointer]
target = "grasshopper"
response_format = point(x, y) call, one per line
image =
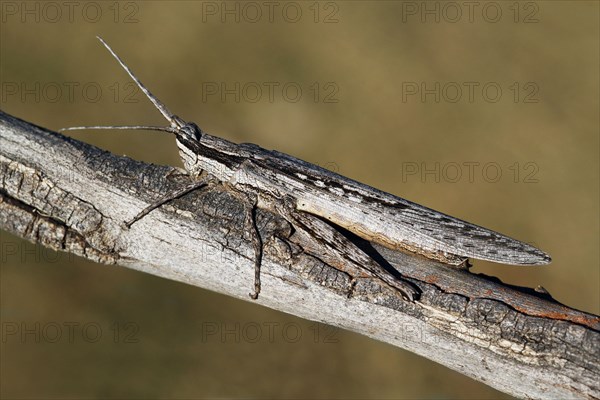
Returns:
point(290, 187)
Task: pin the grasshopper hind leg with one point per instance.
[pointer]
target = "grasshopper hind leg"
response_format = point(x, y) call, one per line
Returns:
point(344, 252)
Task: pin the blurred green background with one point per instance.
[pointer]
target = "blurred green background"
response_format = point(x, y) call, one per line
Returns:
point(379, 103)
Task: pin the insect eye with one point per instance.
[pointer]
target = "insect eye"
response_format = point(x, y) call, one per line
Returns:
point(191, 131)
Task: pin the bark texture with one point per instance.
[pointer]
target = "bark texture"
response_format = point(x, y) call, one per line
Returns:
point(74, 197)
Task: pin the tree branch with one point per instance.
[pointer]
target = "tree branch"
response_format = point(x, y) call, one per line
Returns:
point(71, 196)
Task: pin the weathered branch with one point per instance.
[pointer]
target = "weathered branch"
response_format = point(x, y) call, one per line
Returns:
point(71, 196)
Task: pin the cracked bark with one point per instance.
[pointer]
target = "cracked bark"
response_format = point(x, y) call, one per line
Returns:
point(74, 197)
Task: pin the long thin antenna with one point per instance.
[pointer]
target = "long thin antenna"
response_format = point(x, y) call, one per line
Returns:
point(172, 118)
point(169, 129)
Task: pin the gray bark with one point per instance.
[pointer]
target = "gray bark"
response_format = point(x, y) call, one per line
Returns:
point(74, 197)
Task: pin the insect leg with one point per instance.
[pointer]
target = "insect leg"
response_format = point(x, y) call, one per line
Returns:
point(250, 202)
point(258, 249)
point(332, 240)
point(171, 196)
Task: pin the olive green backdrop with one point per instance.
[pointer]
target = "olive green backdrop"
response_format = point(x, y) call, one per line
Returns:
point(429, 110)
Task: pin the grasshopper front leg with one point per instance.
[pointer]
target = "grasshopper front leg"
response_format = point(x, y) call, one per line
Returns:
point(197, 184)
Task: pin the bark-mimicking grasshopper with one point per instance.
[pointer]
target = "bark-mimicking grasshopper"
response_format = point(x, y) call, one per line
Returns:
point(286, 185)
